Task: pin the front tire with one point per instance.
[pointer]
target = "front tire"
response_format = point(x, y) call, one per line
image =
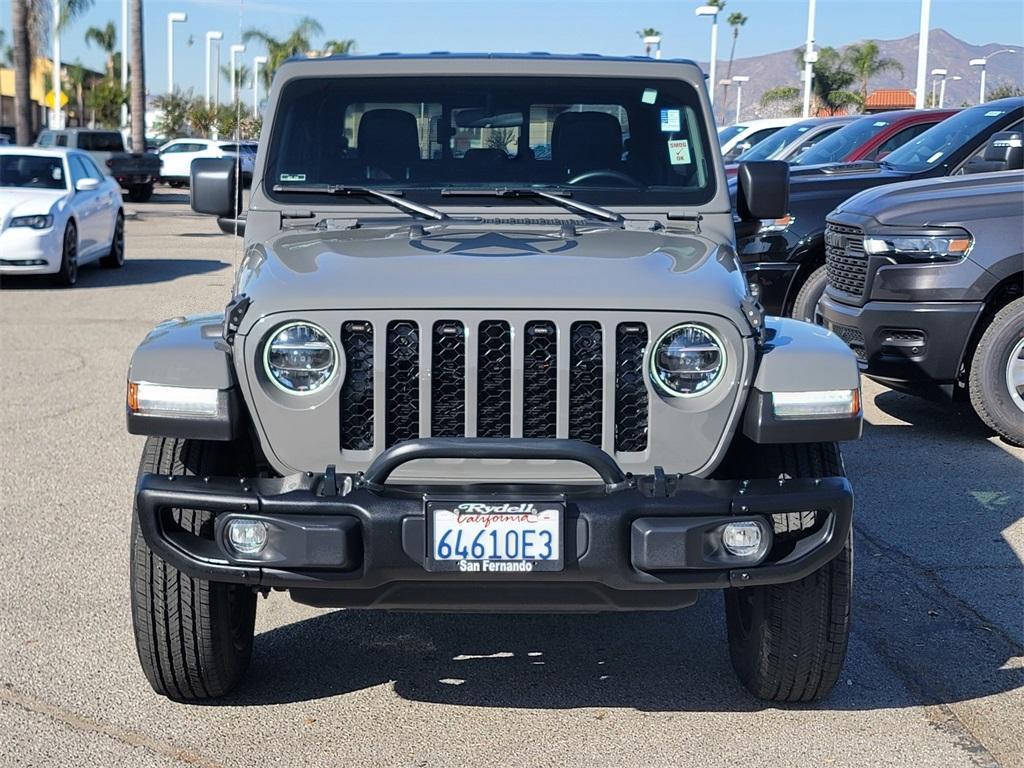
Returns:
point(194, 638)
point(997, 373)
point(805, 306)
point(140, 193)
point(115, 259)
point(787, 642)
point(67, 275)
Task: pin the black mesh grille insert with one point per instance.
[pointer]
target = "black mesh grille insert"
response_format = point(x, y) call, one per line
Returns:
point(540, 374)
point(630, 391)
point(448, 380)
point(494, 380)
point(846, 264)
point(585, 383)
point(402, 391)
point(357, 391)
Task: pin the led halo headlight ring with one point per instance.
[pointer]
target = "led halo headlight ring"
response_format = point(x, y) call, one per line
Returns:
point(267, 368)
point(653, 363)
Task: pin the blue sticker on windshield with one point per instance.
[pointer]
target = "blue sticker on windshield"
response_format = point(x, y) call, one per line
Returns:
point(670, 120)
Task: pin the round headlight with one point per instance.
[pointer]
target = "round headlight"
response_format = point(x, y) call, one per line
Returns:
point(300, 358)
point(687, 360)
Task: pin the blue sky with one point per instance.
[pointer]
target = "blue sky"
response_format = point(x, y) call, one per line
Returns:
point(598, 26)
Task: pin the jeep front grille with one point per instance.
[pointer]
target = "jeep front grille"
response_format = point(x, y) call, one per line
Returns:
point(495, 379)
point(846, 264)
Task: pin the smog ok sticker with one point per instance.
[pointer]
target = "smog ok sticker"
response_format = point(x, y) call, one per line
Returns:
point(679, 152)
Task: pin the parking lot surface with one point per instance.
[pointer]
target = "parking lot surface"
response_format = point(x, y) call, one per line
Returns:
point(934, 677)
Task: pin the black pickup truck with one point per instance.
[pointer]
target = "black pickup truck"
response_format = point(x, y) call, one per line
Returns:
point(136, 172)
point(784, 260)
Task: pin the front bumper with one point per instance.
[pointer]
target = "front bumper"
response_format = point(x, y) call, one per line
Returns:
point(25, 251)
point(633, 543)
point(907, 345)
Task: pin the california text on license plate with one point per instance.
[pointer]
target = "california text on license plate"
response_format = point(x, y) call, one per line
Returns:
point(494, 537)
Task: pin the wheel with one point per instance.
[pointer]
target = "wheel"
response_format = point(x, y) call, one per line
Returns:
point(140, 193)
point(805, 306)
point(997, 373)
point(115, 259)
point(67, 275)
point(194, 638)
point(787, 642)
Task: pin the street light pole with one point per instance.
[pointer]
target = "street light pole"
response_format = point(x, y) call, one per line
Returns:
point(124, 61)
point(936, 75)
point(810, 59)
point(256, 84)
point(983, 63)
point(712, 11)
point(739, 80)
point(210, 37)
point(172, 18)
point(237, 48)
point(942, 89)
point(922, 55)
point(56, 114)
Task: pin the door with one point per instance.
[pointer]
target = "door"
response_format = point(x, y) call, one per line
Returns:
point(176, 159)
point(86, 209)
point(106, 204)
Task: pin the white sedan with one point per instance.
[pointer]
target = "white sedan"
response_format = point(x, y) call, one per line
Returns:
point(58, 211)
point(176, 157)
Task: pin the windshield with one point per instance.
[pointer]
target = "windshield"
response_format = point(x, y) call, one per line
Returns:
point(730, 132)
point(842, 143)
point(604, 140)
point(938, 142)
point(32, 171)
point(765, 148)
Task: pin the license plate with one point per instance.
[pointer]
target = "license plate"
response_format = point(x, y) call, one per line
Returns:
point(494, 537)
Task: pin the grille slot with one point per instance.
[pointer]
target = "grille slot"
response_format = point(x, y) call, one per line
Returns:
point(631, 406)
point(540, 376)
point(846, 264)
point(586, 367)
point(402, 382)
point(494, 380)
point(448, 380)
point(853, 337)
point(357, 391)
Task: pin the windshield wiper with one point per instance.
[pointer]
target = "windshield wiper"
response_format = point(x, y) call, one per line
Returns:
point(408, 206)
point(562, 200)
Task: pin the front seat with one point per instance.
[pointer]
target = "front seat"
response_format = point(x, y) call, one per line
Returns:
point(388, 144)
point(586, 141)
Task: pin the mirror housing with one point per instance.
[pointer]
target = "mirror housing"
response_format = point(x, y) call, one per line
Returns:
point(762, 190)
point(1007, 149)
point(216, 189)
point(87, 185)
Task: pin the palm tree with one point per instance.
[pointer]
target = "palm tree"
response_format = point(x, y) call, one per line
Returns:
point(138, 83)
point(30, 30)
point(106, 39)
point(648, 32)
point(242, 74)
point(76, 77)
point(866, 62)
point(736, 20)
point(299, 41)
point(339, 47)
point(831, 82)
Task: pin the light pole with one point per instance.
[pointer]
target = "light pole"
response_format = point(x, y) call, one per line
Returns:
point(56, 114)
point(236, 48)
point(172, 18)
point(256, 84)
point(810, 59)
point(942, 89)
point(936, 73)
point(124, 61)
point(922, 55)
point(210, 37)
point(982, 62)
point(712, 11)
point(739, 80)
point(654, 40)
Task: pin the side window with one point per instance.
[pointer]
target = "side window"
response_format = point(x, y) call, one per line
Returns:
point(977, 163)
point(45, 139)
point(897, 140)
point(91, 170)
point(78, 171)
point(750, 141)
point(62, 140)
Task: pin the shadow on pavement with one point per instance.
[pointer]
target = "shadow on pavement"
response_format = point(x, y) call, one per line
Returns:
point(134, 272)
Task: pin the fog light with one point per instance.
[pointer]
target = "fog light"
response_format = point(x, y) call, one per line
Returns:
point(247, 537)
point(742, 539)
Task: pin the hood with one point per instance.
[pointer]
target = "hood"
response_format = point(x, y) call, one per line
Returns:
point(453, 265)
point(943, 201)
point(21, 201)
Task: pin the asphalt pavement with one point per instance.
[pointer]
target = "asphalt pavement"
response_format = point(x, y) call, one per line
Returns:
point(934, 676)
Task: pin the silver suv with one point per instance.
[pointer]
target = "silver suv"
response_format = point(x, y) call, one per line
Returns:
point(490, 349)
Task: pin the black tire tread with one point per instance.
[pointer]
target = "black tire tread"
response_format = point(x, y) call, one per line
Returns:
point(812, 288)
point(980, 399)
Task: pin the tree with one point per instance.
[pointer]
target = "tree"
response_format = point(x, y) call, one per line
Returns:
point(138, 82)
point(831, 82)
point(30, 30)
point(339, 47)
point(299, 41)
point(242, 75)
point(106, 39)
point(648, 32)
point(1004, 91)
point(174, 113)
point(105, 99)
point(76, 77)
point(866, 61)
point(201, 118)
point(784, 98)
point(736, 20)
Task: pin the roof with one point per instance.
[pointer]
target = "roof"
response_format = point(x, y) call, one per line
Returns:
point(890, 98)
point(533, 55)
point(14, 149)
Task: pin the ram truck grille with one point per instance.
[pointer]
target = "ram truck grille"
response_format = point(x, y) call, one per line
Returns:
point(846, 264)
point(494, 378)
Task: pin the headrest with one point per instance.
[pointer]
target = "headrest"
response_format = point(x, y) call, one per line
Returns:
point(390, 135)
point(586, 141)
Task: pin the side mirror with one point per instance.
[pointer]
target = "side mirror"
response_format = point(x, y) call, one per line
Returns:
point(1007, 149)
point(762, 189)
point(215, 187)
point(87, 185)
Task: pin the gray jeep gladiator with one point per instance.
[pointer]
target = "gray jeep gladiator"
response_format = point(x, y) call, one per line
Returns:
point(490, 349)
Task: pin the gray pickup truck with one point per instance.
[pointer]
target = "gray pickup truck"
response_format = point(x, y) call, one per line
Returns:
point(460, 374)
point(136, 172)
point(926, 285)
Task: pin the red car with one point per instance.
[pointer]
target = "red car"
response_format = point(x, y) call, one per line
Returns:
point(872, 137)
